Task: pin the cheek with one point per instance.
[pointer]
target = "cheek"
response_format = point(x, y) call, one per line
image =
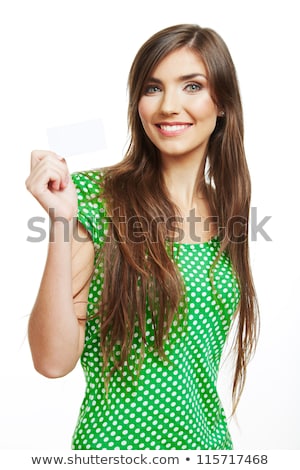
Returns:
point(204, 108)
point(144, 115)
point(143, 110)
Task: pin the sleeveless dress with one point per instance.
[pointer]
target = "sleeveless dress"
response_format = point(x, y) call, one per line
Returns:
point(173, 403)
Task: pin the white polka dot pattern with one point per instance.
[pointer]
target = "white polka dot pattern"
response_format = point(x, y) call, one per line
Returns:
point(173, 403)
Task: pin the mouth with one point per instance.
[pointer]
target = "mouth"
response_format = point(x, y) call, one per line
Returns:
point(172, 128)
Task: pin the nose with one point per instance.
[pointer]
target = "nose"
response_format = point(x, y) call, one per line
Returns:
point(170, 103)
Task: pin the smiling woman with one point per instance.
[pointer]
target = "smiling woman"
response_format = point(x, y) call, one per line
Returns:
point(179, 89)
point(147, 300)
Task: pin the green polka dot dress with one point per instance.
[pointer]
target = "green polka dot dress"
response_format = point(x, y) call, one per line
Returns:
point(173, 403)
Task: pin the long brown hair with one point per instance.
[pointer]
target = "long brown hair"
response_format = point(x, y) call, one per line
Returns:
point(137, 262)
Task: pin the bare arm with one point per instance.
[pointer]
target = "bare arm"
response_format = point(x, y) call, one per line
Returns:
point(57, 322)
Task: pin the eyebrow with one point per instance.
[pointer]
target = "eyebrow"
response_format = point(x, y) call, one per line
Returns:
point(190, 76)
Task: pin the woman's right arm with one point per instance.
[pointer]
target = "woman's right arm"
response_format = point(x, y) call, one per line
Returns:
point(57, 321)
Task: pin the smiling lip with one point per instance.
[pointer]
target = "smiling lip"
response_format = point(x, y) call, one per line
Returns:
point(172, 129)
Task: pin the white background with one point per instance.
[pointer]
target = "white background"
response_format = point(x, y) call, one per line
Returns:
point(66, 61)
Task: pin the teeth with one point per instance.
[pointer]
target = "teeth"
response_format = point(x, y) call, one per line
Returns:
point(177, 127)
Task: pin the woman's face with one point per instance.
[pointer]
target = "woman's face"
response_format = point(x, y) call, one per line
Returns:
point(176, 108)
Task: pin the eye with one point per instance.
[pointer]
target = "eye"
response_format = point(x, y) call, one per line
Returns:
point(151, 89)
point(193, 87)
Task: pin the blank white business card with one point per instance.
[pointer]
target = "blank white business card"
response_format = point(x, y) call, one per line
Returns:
point(78, 138)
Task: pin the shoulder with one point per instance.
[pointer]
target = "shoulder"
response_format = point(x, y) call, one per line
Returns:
point(91, 205)
point(88, 183)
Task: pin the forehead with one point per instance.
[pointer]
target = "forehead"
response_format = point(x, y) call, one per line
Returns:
point(183, 61)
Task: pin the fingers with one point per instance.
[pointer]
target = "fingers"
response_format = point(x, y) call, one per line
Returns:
point(50, 183)
point(38, 155)
point(49, 171)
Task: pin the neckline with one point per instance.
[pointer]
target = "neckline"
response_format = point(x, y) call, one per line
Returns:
point(213, 239)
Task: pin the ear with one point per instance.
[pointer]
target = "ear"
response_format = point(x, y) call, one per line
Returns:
point(221, 113)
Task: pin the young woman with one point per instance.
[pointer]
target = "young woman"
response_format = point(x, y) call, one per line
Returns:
point(148, 264)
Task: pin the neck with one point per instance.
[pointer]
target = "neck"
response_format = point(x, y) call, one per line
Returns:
point(182, 180)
